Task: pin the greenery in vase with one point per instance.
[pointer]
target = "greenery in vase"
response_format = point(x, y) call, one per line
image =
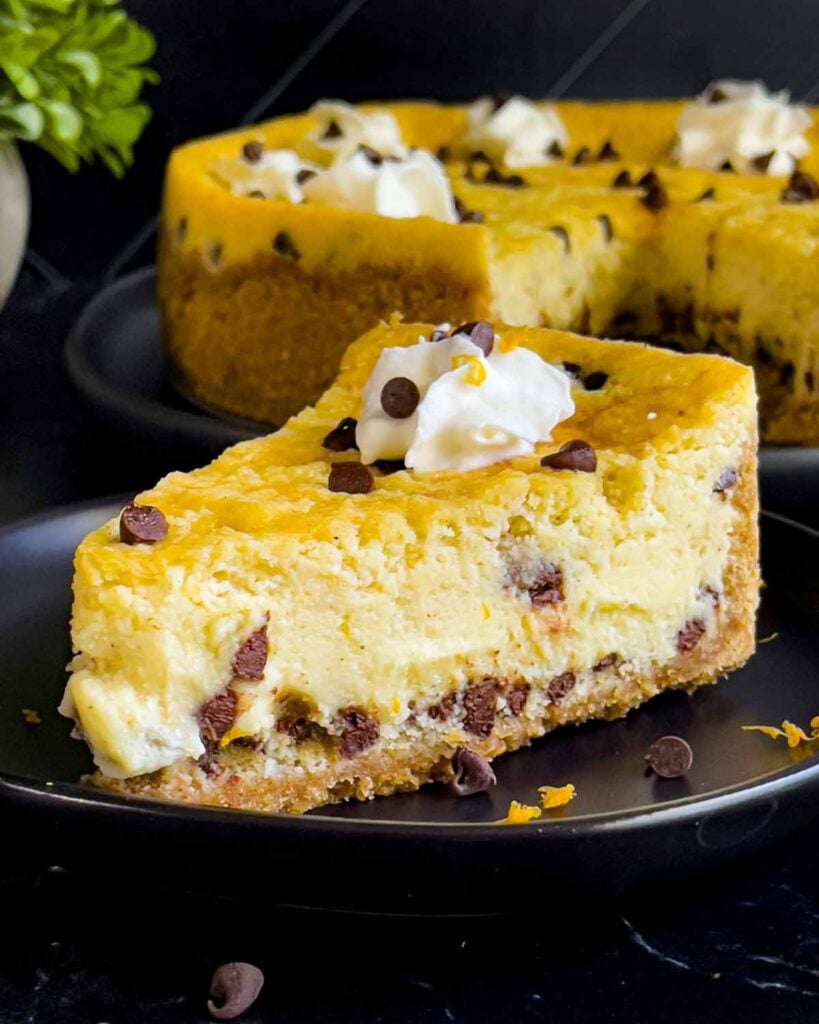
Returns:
point(71, 72)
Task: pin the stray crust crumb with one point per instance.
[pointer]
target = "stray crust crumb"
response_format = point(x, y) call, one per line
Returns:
point(556, 796)
point(31, 716)
point(519, 814)
point(792, 733)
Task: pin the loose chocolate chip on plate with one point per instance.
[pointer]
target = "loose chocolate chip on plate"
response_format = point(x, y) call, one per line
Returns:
point(142, 524)
point(707, 195)
point(577, 456)
point(562, 235)
point(690, 635)
point(252, 152)
point(605, 226)
point(217, 715)
point(350, 478)
point(608, 152)
point(284, 245)
point(595, 381)
point(670, 757)
point(480, 333)
point(249, 661)
point(573, 369)
point(358, 732)
point(235, 987)
point(801, 188)
point(479, 707)
point(582, 156)
point(516, 698)
point(727, 478)
point(471, 773)
point(400, 397)
point(560, 686)
point(332, 131)
point(555, 149)
point(623, 180)
point(342, 437)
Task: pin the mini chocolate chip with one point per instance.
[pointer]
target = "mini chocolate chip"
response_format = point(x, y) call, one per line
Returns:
point(444, 153)
point(670, 757)
point(255, 193)
point(471, 773)
point(726, 165)
point(500, 100)
point(333, 130)
point(358, 732)
point(213, 255)
point(582, 156)
point(342, 437)
point(690, 635)
point(573, 369)
point(547, 586)
point(480, 333)
point(494, 177)
point(573, 455)
point(299, 729)
point(762, 162)
point(808, 378)
point(284, 245)
point(390, 466)
point(305, 174)
point(249, 661)
point(142, 524)
point(252, 152)
point(479, 707)
point(727, 479)
point(786, 374)
point(438, 335)
point(655, 197)
point(762, 356)
point(374, 157)
point(649, 179)
point(801, 188)
point(626, 319)
point(595, 381)
point(554, 149)
point(562, 235)
point(180, 230)
point(516, 698)
point(350, 478)
point(623, 180)
point(217, 715)
point(707, 195)
point(717, 95)
point(400, 397)
point(466, 216)
point(560, 686)
point(235, 987)
point(605, 226)
point(584, 323)
point(442, 711)
point(608, 152)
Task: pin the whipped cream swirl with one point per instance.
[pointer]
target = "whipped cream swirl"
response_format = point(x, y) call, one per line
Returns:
point(754, 130)
point(516, 133)
point(473, 410)
point(343, 128)
point(275, 174)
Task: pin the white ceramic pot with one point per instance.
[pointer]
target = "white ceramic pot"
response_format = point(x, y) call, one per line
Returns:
point(14, 209)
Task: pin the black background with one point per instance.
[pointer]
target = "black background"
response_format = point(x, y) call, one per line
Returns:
point(737, 946)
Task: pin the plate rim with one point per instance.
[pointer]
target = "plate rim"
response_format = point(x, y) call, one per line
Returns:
point(73, 796)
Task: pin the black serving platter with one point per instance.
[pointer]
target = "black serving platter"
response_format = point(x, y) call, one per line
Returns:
point(426, 851)
point(115, 358)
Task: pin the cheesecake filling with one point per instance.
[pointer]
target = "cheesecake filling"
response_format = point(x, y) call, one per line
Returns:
point(744, 127)
point(269, 174)
point(515, 132)
point(473, 408)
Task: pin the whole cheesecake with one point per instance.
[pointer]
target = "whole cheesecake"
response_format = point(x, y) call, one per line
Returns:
point(262, 288)
point(472, 538)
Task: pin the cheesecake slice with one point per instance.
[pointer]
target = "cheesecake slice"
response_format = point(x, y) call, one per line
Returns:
point(289, 627)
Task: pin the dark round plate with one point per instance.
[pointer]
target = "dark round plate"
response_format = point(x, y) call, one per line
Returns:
point(115, 358)
point(428, 850)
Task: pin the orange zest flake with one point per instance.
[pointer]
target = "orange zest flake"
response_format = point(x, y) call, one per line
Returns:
point(476, 373)
point(519, 814)
point(556, 796)
point(788, 731)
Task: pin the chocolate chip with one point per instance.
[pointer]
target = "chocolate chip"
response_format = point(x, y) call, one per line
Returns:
point(547, 586)
point(762, 356)
point(480, 333)
point(573, 369)
point(717, 95)
point(626, 319)
point(466, 216)
point(477, 156)
point(655, 197)
point(690, 635)
point(471, 773)
point(252, 152)
point(727, 479)
point(180, 230)
point(374, 157)
point(444, 153)
point(670, 757)
point(305, 174)
point(584, 323)
point(294, 722)
point(142, 524)
point(595, 381)
point(217, 715)
point(390, 466)
point(439, 334)
point(605, 226)
point(573, 455)
point(786, 374)
point(255, 193)
point(560, 686)
point(608, 152)
point(801, 188)
point(582, 156)
point(516, 698)
point(500, 100)
point(350, 478)
point(235, 987)
point(442, 711)
point(808, 378)
point(342, 437)
point(358, 732)
point(726, 165)
point(623, 180)
point(649, 179)
point(400, 397)
point(707, 195)
point(479, 707)
point(333, 130)
point(284, 245)
point(494, 177)
point(554, 149)
point(213, 255)
point(249, 661)
point(562, 235)
point(762, 162)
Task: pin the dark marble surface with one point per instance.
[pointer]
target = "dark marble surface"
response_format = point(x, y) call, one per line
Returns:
point(741, 945)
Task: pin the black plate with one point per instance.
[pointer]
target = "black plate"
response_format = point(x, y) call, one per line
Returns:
point(115, 358)
point(430, 851)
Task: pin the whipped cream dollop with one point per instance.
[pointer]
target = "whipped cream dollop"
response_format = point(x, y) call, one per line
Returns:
point(412, 186)
point(275, 174)
point(754, 130)
point(343, 128)
point(473, 409)
point(516, 132)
